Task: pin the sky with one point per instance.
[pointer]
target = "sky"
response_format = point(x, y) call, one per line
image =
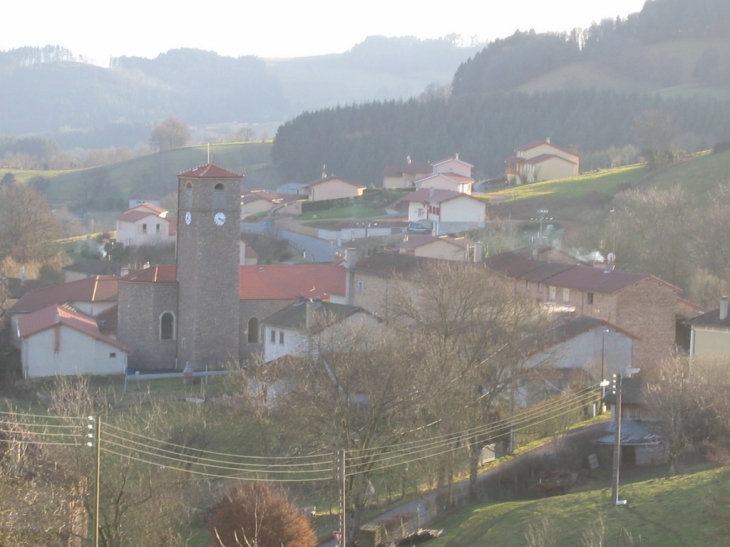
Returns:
point(100, 29)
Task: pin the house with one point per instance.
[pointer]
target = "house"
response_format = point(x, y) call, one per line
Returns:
point(58, 340)
point(597, 347)
point(443, 247)
point(445, 207)
point(453, 166)
point(710, 334)
point(640, 304)
point(539, 161)
point(403, 176)
point(332, 187)
point(301, 327)
point(145, 224)
point(451, 181)
point(259, 201)
point(90, 296)
point(90, 268)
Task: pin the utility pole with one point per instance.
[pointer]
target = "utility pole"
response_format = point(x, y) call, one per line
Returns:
point(343, 497)
point(95, 442)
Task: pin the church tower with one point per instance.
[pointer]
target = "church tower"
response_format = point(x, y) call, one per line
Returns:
point(208, 234)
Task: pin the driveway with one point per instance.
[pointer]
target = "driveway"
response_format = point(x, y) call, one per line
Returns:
point(313, 249)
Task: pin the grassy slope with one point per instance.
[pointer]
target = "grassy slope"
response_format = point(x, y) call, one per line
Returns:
point(579, 198)
point(669, 512)
point(154, 176)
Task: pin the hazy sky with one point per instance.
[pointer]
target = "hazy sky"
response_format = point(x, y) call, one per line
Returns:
point(278, 28)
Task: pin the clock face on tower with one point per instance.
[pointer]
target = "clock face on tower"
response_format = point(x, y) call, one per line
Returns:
point(219, 218)
point(188, 217)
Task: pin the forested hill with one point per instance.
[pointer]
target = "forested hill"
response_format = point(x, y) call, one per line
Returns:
point(357, 142)
point(588, 89)
point(75, 103)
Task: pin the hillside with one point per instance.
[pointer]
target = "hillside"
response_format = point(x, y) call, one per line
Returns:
point(109, 188)
point(652, 516)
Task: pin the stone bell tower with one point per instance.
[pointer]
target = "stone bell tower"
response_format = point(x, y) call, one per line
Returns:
point(208, 234)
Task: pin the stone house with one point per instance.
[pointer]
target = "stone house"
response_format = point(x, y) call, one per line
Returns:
point(640, 304)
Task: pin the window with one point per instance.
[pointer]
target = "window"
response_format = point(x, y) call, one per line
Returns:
point(144, 228)
point(167, 326)
point(157, 228)
point(590, 298)
point(551, 293)
point(273, 336)
point(281, 337)
point(113, 354)
point(566, 295)
point(253, 330)
point(360, 287)
point(189, 195)
point(219, 196)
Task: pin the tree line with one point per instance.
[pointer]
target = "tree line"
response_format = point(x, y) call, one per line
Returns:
point(358, 141)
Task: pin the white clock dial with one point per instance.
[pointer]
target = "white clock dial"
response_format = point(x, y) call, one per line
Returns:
point(188, 217)
point(219, 218)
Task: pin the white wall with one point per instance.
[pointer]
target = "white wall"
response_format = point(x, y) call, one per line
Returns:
point(78, 354)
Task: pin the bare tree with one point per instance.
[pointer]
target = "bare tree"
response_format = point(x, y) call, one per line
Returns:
point(474, 335)
point(256, 515)
point(27, 225)
point(168, 134)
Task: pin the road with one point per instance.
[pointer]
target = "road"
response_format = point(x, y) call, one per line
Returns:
point(314, 249)
point(418, 506)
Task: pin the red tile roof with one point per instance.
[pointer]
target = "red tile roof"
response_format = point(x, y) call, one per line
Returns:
point(544, 157)
point(152, 207)
point(161, 273)
point(329, 178)
point(100, 288)
point(415, 241)
point(287, 281)
point(48, 317)
point(133, 215)
point(210, 171)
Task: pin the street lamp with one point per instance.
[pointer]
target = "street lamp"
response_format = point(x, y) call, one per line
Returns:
point(617, 440)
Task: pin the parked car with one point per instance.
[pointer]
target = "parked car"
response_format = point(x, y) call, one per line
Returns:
point(267, 224)
point(419, 228)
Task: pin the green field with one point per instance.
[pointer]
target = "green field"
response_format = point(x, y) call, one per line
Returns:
point(152, 176)
point(666, 512)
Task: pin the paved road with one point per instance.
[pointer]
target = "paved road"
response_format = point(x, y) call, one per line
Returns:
point(315, 250)
point(461, 488)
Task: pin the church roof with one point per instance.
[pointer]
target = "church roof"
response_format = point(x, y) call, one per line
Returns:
point(100, 288)
point(210, 171)
point(161, 273)
point(287, 281)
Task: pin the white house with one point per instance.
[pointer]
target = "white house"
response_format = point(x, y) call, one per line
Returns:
point(58, 340)
point(441, 206)
point(145, 224)
point(453, 166)
point(441, 181)
point(298, 329)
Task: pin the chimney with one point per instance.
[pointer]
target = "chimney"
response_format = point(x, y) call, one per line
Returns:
point(311, 306)
point(723, 308)
point(456, 156)
point(324, 171)
point(408, 159)
point(350, 261)
point(547, 140)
